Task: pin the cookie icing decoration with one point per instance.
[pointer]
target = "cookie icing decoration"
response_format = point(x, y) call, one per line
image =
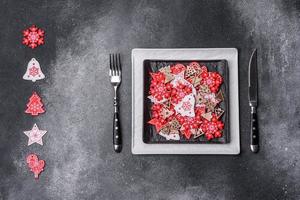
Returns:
point(33, 71)
point(33, 37)
point(35, 165)
point(35, 135)
point(35, 105)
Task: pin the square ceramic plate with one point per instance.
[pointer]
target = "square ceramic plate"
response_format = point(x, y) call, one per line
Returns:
point(139, 56)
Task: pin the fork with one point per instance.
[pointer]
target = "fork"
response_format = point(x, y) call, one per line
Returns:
point(115, 73)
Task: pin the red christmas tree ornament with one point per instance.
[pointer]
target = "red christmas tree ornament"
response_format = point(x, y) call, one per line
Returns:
point(33, 37)
point(35, 105)
point(35, 165)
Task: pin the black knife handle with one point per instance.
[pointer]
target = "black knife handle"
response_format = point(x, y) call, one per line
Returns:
point(117, 136)
point(254, 131)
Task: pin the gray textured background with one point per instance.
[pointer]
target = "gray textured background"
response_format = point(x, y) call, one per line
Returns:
point(78, 150)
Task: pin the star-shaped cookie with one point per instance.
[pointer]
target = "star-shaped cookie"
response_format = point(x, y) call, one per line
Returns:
point(35, 135)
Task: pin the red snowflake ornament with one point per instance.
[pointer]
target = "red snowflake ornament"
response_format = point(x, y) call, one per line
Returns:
point(33, 36)
point(35, 165)
point(35, 105)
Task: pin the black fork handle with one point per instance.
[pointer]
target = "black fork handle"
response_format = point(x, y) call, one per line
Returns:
point(117, 136)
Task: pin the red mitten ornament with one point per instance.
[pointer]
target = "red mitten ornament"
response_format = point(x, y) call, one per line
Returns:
point(33, 36)
point(35, 165)
point(35, 105)
point(34, 71)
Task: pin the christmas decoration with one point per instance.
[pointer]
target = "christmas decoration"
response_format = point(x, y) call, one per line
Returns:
point(33, 36)
point(186, 102)
point(35, 135)
point(35, 105)
point(35, 165)
point(34, 71)
point(186, 106)
point(170, 136)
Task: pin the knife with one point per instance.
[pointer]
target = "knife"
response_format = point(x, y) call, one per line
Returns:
point(253, 102)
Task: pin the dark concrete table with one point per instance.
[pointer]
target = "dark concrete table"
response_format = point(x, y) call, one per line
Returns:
point(77, 94)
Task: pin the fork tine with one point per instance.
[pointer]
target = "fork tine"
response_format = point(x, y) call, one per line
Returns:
point(113, 64)
point(116, 65)
point(110, 65)
point(120, 64)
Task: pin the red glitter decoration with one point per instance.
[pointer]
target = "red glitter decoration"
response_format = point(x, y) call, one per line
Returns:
point(33, 37)
point(36, 166)
point(35, 105)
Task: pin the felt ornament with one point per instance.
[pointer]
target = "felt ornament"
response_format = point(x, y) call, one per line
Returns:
point(34, 71)
point(35, 135)
point(33, 37)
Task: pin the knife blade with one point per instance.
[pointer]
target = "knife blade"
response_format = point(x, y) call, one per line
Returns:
point(253, 101)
